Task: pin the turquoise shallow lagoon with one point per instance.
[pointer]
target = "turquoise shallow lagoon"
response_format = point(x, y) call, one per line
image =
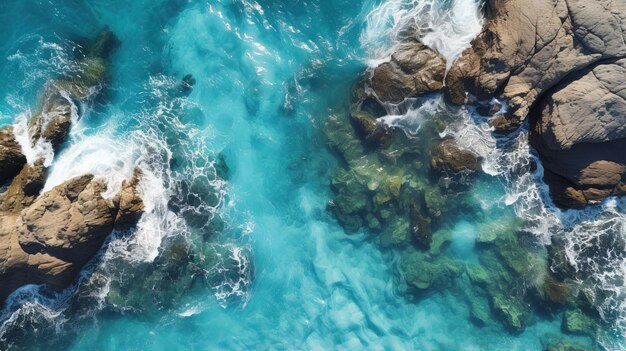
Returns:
point(238, 178)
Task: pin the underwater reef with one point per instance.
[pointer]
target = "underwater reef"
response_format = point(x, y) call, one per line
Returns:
point(548, 62)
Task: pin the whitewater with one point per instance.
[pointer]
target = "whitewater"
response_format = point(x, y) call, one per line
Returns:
point(237, 180)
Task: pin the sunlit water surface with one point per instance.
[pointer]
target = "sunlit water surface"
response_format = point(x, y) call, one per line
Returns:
point(279, 272)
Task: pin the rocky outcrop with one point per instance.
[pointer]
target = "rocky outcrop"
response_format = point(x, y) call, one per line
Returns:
point(47, 239)
point(414, 69)
point(560, 62)
point(578, 130)
point(528, 47)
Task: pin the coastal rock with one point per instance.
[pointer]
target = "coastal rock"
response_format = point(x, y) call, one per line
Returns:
point(414, 69)
point(54, 122)
point(11, 158)
point(24, 188)
point(52, 238)
point(47, 239)
point(72, 219)
point(528, 47)
point(579, 134)
point(448, 157)
point(374, 133)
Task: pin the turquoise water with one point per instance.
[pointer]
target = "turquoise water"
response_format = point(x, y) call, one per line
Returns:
point(272, 268)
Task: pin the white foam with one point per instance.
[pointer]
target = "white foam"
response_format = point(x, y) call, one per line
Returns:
point(42, 149)
point(447, 28)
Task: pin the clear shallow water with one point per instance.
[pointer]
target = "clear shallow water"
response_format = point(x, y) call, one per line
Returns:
point(281, 273)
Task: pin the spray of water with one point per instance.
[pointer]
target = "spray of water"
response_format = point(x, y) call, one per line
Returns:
point(446, 26)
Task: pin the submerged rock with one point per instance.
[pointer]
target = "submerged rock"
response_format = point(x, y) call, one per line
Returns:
point(577, 322)
point(565, 346)
point(512, 311)
point(528, 47)
point(414, 69)
point(423, 273)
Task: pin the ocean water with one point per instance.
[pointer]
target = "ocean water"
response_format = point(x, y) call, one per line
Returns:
point(236, 249)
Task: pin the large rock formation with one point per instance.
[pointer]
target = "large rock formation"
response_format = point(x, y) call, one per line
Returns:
point(561, 62)
point(528, 47)
point(579, 131)
point(47, 239)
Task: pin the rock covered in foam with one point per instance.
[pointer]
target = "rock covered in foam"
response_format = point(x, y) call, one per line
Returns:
point(47, 239)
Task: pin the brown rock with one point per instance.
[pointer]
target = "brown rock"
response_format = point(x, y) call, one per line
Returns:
point(372, 132)
point(131, 205)
point(414, 69)
point(50, 241)
point(53, 123)
point(11, 158)
point(529, 46)
point(447, 157)
point(579, 135)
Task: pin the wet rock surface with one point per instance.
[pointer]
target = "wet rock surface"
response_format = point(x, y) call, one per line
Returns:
point(578, 131)
point(11, 156)
point(561, 63)
point(48, 238)
point(447, 157)
point(413, 69)
point(52, 238)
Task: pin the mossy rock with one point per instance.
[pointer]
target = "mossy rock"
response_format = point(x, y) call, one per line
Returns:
point(343, 140)
point(441, 241)
point(513, 312)
point(556, 291)
point(479, 311)
point(396, 234)
point(566, 346)
point(423, 273)
point(373, 223)
point(578, 323)
point(504, 226)
point(435, 202)
point(478, 275)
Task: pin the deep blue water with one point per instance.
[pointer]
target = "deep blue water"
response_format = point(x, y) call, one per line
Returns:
point(280, 272)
